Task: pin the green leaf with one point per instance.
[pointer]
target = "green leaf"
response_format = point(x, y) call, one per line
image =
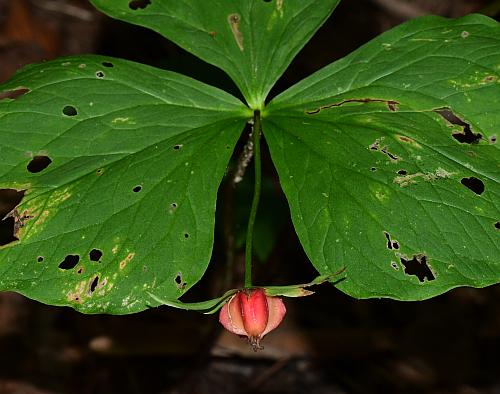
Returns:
point(384, 154)
point(126, 204)
point(251, 40)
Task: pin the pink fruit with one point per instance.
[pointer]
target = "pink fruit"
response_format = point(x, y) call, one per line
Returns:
point(253, 314)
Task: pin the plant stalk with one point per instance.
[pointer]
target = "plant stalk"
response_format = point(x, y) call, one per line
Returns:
point(256, 197)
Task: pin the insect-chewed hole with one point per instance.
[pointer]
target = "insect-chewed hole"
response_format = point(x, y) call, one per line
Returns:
point(94, 283)
point(179, 281)
point(136, 4)
point(497, 225)
point(69, 110)
point(9, 199)
point(95, 255)
point(178, 146)
point(137, 189)
point(69, 262)
point(186, 235)
point(418, 266)
point(40, 259)
point(474, 184)
point(107, 64)
point(467, 136)
point(402, 172)
point(38, 164)
point(373, 169)
point(99, 74)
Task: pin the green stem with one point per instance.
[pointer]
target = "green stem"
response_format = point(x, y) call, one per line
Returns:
point(256, 198)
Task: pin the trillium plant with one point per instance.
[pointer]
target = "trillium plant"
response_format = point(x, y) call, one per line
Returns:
point(387, 157)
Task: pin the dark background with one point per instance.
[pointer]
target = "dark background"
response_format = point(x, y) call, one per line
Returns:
point(329, 343)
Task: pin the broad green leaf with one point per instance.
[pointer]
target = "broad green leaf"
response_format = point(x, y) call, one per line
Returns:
point(251, 40)
point(384, 155)
point(126, 204)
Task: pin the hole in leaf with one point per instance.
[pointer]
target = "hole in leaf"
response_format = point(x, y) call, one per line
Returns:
point(137, 189)
point(186, 235)
point(38, 164)
point(418, 266)
point(95, 255)
point(391, 156)
point(373, 169)
point(395, 265)
point(99, 171)
point(136, 4)
point(493, 139)
point(99, 74)
point(69, 110)
point(9, 225)
point(497, 225)
point(69, 262)
point(107, 64)
point(177, 147)
point(179, 282)
point(466, 136)
point(80, 270)
point(402, 172)
point(39, 259)
point(474, 184)
point(13, 94)
point(389, 242)
point(94, 283)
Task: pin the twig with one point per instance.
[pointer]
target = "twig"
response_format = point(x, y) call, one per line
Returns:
point(401, 9)
point(66, 9)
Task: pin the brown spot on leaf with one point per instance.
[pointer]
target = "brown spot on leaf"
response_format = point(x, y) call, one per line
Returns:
point(410, 141)
point(126, 260)
point(20, 220)
point(13, 94)
point(391, 104)
point(234, 22)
